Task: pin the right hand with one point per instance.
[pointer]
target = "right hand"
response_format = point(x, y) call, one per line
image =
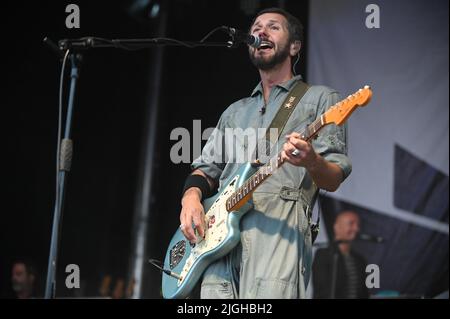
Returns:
point(192, 213)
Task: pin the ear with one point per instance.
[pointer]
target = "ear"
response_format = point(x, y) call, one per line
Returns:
point(295, 48)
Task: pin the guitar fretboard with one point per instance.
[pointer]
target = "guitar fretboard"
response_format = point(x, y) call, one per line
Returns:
point(240, 195)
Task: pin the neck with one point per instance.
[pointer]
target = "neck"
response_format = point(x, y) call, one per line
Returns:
point(277, 75)
point(344, 248)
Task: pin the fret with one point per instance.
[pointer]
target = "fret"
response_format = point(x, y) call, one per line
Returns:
point(317, 125)
point(303, 135)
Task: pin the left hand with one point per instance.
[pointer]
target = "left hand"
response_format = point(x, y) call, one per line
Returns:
point(307, 157)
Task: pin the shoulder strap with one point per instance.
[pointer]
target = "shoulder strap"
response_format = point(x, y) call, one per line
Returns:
point(286, 108)
point(311, 192)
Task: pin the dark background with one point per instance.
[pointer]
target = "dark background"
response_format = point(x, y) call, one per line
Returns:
point(111, 112)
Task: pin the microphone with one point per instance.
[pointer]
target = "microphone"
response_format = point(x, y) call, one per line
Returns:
point(243, 37)
point(366, 237)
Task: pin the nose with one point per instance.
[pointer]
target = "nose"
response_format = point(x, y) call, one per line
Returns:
point(262, 34)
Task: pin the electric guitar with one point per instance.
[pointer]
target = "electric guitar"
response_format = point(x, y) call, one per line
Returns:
point(185, 262)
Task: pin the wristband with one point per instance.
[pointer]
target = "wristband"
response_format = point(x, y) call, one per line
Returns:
point(200, 182)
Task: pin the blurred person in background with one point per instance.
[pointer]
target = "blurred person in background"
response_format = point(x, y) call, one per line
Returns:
point(23, 279)
point(338, 271)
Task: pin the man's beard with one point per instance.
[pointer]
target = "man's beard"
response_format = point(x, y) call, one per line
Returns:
point(264, 63)
point(18, 286)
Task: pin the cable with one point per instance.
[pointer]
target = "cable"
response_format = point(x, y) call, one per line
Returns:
point(58, 146)
point(211, 33)
point(119, 44)
point(295, 63)
point(156, 263)
point(87, 42)
point(319, 208)
point(159, 265)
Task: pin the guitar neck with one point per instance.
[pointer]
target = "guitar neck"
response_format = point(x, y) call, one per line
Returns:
point(243, 193)
point(336, 114)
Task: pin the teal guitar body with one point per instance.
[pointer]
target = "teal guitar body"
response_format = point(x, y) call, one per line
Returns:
point(188, 262)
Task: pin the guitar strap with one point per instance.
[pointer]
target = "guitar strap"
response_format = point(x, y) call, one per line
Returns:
point(309, 191)
point(286, 109)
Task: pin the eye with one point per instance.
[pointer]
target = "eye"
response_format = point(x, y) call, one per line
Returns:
point(275, 27)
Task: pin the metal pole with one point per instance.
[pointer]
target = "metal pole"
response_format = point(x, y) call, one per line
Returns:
point(142, 212)
point(64, 167)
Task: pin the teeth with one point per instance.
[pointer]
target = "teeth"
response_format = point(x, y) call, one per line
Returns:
point(265, 44)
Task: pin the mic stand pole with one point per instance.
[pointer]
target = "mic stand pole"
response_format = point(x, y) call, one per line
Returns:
point(65, 157)
point(66, 150)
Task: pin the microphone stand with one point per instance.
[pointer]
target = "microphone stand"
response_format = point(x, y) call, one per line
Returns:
point(65, 156)
point(66, 151)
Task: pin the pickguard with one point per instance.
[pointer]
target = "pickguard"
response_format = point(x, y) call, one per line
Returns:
point(216, 229)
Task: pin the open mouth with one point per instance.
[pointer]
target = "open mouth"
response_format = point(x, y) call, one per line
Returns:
point(265, 45)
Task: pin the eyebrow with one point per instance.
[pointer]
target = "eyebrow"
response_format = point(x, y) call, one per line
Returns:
point(270, 21)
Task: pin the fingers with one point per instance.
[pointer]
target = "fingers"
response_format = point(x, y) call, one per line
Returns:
point(295, 149)
point(296, 140)
point(199, 224)
point(293, 134)
point(189, 218)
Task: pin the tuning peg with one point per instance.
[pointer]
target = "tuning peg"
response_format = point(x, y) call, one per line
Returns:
point(359, 90)
point(366, 87)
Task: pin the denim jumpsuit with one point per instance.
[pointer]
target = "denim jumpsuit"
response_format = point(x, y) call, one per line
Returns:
point(274, 257)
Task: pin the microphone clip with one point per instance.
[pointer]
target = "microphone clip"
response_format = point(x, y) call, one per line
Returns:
point(238, 37)
point(234, 42)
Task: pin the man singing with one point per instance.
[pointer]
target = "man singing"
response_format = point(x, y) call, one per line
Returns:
point(273, 259)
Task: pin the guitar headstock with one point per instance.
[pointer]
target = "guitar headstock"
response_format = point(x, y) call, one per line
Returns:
point(341, 111)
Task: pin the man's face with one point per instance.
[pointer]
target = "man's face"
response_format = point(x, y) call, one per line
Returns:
point(346, 226)
point(275, 47)
point(20, 278)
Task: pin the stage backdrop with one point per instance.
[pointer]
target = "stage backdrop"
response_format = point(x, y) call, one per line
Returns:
point(399, 143)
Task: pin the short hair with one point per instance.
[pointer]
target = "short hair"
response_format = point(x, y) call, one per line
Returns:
point(346, 212)
point(29, 265)
point(295, 27)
